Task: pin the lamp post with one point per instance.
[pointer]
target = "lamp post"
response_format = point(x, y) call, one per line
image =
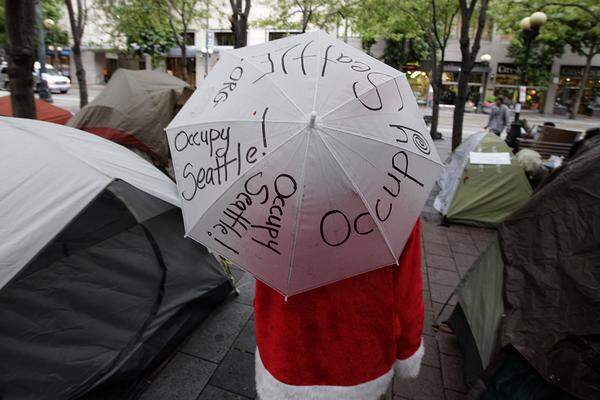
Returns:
point(206, 53)
point(485, 59)
point(43, 91)
point(49, 24)
point(530, 29)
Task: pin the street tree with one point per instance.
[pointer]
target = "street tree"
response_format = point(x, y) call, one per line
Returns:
point(442, 14)
point(180, 15)
point(473, 14)
point(583, 36)
point(78, 19)
point(141, 25)
point(240, 11)
point(300, 14)
point(20, 28)
point(570, 24)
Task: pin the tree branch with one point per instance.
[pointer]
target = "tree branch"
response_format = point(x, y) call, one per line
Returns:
point(479, 31)
point(576, 5)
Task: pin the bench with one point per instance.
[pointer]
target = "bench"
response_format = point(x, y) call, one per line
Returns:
point(546, 149)
point(551, 141)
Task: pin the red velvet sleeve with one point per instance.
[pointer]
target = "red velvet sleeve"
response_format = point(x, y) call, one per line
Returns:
point(408, 297)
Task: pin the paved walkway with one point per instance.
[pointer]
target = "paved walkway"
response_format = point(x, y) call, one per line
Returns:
point(217, 361)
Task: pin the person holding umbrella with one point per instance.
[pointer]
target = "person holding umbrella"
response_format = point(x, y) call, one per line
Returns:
point(307, 163)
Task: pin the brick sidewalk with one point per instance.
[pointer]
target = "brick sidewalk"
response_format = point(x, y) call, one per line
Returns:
point(449, 252)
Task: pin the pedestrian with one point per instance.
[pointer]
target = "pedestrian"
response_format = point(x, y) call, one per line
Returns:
point(345, 340)
point(499, 117)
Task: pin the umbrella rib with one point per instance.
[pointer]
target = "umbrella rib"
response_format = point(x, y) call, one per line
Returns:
point(359, 96)
point(362, 198)
point(379, 141)
point(317, 61)
point(296, 220)
point(270, 79)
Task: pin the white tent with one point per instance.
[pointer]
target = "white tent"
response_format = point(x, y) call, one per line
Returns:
point(50, 173)
point(97, 282)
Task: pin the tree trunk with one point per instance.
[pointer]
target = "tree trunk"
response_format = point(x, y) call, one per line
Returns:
point(184, 70)
point(77, 26)
point(20, 37)
point(437, 96)
point(435, 112)
point(239, 22)
point(584, 78)
point(436, 75)
point(459, 108)
point(243, 27)
point(468, 54)
point(80, 72)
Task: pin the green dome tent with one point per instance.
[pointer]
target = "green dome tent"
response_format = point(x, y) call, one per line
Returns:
point(481, 194)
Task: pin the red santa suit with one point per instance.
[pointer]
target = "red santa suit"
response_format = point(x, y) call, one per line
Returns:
point(344, 340)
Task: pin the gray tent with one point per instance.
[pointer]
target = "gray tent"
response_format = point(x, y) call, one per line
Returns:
point(97, 283)
point(133, 110)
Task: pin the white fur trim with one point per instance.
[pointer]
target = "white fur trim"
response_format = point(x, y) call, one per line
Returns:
point(410, 367)
point(269, 388)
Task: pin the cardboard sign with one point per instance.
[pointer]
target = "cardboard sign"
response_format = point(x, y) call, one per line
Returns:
point(489, 158)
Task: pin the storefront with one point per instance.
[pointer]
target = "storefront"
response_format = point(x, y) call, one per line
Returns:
point(507, 79)
point(175, 63)
point(450, 83)
point(418, 80)
point(568, 85)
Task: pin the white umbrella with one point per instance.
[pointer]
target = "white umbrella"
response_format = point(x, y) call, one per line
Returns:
point(303, 160)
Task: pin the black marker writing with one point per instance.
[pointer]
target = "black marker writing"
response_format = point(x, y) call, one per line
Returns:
point(223, 94)
point(285, 186)
point(264, 132)
point(271, 66)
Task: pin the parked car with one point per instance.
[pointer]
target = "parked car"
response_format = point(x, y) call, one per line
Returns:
point(57, 82)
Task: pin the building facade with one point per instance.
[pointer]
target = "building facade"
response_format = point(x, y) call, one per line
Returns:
point(501, 77)
point(207, 39)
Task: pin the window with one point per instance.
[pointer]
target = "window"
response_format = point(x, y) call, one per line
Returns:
point(190, 38)
point(224, 39)
point(281, 34)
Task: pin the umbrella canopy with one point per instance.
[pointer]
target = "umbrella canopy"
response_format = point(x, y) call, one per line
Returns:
point(44, 111)
point(303, 160)
point(133, 110)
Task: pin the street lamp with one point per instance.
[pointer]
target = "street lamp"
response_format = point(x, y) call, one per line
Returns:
point(485, 59)
point(206, 52)
point(43, 91)
point(530, 29)
point(49, 24)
